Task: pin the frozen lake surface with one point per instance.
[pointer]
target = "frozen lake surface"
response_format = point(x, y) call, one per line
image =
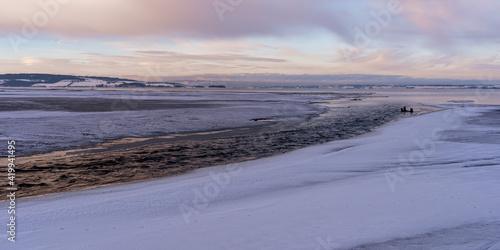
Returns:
point(49, 120)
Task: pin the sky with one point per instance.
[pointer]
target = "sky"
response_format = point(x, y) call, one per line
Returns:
point(156, 39)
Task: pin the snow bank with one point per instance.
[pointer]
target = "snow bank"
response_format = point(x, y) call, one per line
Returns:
point(63, 83)
point(402, 181)
point(87, 82)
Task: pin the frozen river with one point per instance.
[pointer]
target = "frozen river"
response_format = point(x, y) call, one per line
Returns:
point(49, 120)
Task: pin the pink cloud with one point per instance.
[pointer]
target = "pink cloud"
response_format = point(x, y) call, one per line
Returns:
point(441, 21)
point(192, 18)
point(445, 22)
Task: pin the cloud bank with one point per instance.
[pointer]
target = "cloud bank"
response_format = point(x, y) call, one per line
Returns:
point(438, 38)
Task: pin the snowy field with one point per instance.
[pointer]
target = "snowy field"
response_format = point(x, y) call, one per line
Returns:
point(425, 182)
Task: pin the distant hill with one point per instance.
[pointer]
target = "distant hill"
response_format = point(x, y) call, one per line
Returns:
point(49, 80)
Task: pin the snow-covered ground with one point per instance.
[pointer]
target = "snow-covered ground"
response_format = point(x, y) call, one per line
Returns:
point(63, 83)
point(412, 184)
point(86, 82)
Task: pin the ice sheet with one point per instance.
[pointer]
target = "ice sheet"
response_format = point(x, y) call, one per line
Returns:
point(49, 120)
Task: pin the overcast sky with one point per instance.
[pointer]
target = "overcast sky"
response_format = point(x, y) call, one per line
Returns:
point(457, 39)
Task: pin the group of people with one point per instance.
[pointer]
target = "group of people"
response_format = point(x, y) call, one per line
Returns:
point(403, 109)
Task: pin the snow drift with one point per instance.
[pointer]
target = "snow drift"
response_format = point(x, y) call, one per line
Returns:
point(422, 182)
